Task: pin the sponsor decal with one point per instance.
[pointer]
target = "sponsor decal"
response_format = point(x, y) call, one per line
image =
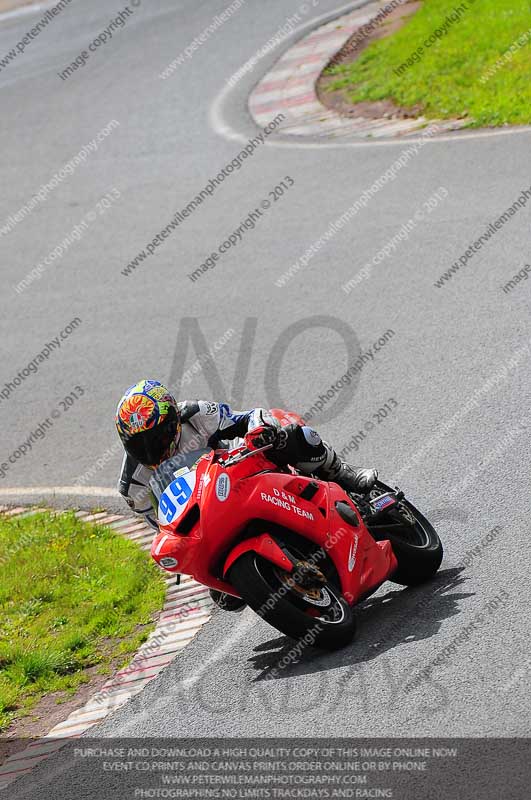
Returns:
point(383, 502)
point(287, 501)
point(352, 554)
point(203, 483)
point(168, 562)
point(136, 421)
point(156, 391)
point(222, 487)
point(281, 493)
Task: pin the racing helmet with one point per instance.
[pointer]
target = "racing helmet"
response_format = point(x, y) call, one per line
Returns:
point(148, 422)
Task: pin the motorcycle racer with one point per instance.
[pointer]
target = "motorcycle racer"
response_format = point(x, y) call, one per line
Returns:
point(153, 426)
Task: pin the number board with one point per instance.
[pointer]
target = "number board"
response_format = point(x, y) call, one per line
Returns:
point(175, 497)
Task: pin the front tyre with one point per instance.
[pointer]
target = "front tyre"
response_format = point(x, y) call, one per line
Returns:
point(419, 557)
point(320, 616)
point(414, 540)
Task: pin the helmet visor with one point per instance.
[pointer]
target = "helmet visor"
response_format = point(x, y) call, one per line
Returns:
point(151, 447)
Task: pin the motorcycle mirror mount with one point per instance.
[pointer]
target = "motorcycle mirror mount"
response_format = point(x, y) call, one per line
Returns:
point(242, 456)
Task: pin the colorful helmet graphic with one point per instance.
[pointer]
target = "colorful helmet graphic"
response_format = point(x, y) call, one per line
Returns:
point(148, 422)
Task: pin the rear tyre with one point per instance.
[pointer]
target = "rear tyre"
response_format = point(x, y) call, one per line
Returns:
point(320, 618)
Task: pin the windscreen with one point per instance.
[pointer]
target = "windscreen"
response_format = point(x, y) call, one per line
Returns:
point(170, 470)
point(173, 485)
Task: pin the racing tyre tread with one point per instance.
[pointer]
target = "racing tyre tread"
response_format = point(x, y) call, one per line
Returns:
point(417, 565)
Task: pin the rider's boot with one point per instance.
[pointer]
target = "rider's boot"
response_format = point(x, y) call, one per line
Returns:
point(227, 601)
point(351, 479)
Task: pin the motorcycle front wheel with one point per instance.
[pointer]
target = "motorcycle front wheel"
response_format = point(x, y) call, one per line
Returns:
point(414, 540)
point(317, 616)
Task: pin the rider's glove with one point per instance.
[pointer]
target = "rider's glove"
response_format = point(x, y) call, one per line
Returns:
point(264, 435)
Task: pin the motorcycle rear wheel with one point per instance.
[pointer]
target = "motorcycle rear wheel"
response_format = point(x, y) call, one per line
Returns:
point(265, 588)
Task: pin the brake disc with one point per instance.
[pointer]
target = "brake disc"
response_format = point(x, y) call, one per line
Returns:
point(309, 583)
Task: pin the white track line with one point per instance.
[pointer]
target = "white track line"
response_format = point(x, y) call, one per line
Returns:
point(25, 11)
point(50, 491)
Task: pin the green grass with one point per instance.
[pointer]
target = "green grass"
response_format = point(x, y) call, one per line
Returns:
point(445, 82)
point(72, 596)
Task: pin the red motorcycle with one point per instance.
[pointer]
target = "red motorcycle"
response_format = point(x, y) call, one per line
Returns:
point(301, 552)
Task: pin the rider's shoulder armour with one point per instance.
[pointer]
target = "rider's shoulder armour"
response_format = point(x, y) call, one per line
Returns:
point(188, 409)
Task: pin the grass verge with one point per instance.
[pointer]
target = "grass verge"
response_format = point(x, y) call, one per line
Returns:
point(72, 596)
point(466, 59)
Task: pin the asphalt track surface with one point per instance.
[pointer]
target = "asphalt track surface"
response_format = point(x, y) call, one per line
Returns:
point(465, 465)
